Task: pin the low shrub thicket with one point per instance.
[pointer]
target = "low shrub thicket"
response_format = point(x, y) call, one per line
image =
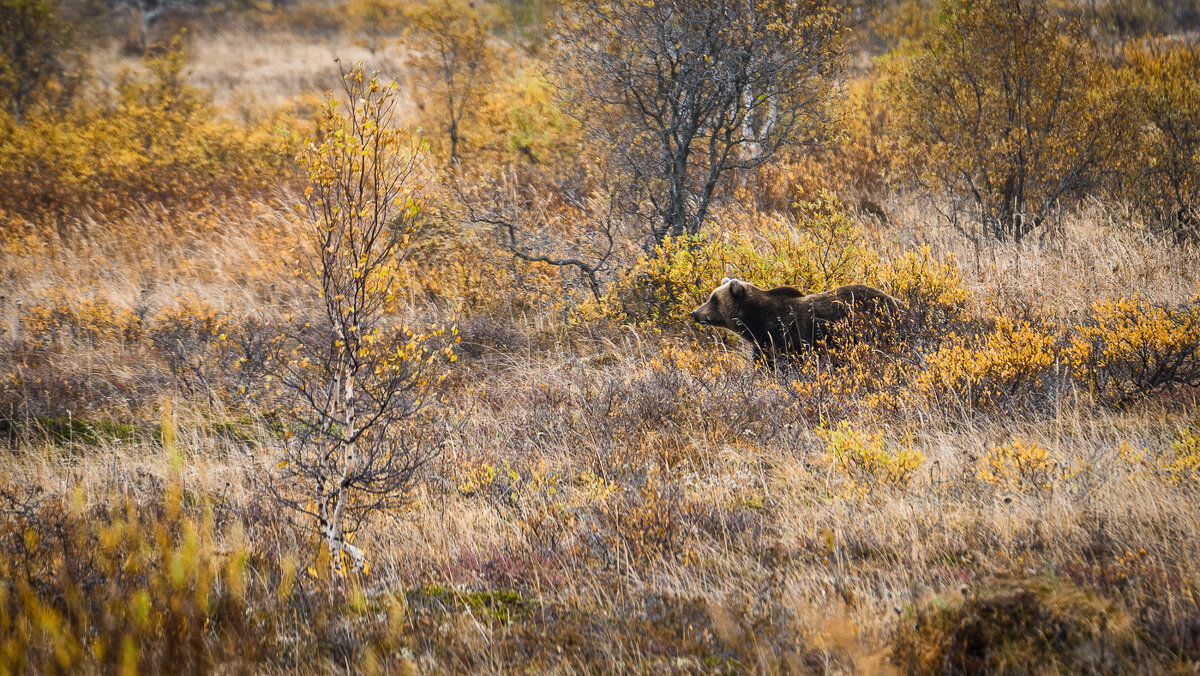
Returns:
point(1011, 362)
point(825, 247)
point(131, 588)
point(941, 348)
point(1129, 348)
point(821, 250)
point(67, 315)
point(1023, 467)
point(154, 139)
point(868, 462)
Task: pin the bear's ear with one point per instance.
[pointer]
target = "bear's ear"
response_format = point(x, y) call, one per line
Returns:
point(724, 281)
point(737, 289)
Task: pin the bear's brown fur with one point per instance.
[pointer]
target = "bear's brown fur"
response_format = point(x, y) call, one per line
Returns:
point(782, 320)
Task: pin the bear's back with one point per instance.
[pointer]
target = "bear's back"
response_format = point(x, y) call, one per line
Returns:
point(860, 296)
point(808, 318)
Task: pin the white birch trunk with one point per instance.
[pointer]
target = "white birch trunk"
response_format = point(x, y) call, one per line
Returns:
point(336, 513)
point(748, 123)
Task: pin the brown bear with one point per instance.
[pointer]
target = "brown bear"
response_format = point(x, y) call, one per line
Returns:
point(784, 321)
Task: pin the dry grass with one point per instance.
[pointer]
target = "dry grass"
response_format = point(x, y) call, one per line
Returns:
point(1097, 255)
point(647, 512)
point(249, 70)
point(620, 497)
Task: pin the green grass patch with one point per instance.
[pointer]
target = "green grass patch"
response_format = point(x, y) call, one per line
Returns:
point(500, 605)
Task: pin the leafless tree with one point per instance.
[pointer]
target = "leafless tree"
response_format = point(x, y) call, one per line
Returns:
point(571, 220)
point(682, 91)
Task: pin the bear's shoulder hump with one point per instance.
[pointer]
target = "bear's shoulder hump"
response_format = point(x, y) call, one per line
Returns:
point(785, 292)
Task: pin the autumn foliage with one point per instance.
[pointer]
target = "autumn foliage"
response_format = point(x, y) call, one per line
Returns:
point(154, 139)
point(385, 364)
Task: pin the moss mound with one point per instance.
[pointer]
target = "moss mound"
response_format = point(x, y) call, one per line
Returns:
point(1020, 626)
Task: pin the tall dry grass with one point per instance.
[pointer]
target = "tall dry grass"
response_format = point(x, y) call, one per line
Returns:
point(617, 498)
point(615, 495)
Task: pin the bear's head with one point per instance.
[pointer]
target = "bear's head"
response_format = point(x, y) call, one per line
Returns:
point(726, 304)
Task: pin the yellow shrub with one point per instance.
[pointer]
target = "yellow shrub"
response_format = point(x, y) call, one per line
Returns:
point(1130, 348)
point(475, 477)
point(94, 321)
point(931, 290)
point(1184, 467)
point(700, 362)
point(853, 377)
point(503, 479)
point(520, 117)
point(191, 321)
point(1022, 467)
point(867, 462)
point(823, 249)
point(153, 139)
point(1010, 362)
point(1179, 467)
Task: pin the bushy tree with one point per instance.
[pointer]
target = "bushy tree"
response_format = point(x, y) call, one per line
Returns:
point(37, 54)
point(1009, 112)
point(456, 62)
point(1162, 174)
point(374, 22)
point(680, 92)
